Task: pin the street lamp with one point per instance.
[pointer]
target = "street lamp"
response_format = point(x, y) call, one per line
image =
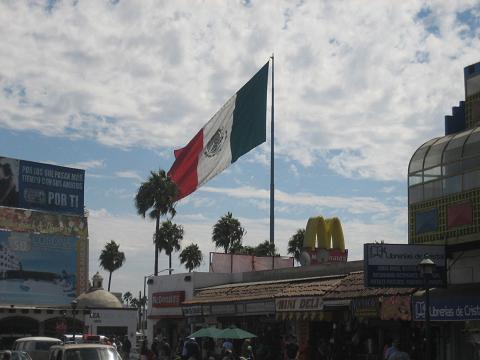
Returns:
point(74, 304)
point(426, 267)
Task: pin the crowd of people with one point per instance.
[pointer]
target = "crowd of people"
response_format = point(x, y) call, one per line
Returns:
point(209, 349)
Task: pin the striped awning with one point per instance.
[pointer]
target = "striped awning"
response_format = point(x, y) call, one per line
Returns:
point(304, 315)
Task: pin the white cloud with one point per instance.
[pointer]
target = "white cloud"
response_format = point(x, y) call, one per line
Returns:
point(357, 86)
point(88, 164)
point(354, 205)
point(128, 174)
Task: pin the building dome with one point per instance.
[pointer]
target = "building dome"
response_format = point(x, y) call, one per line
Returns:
point(97, 297)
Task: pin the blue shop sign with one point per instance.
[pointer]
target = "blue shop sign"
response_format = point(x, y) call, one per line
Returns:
point(448, 308)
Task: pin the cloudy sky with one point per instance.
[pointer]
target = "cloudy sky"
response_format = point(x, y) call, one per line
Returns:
point(113, 87)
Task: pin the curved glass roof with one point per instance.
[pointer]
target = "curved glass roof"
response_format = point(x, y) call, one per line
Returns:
point(444, 165)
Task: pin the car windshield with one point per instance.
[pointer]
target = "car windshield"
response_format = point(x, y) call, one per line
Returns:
point(20, 356)
point(92, 354)
point(16, 355)
point(45, 345)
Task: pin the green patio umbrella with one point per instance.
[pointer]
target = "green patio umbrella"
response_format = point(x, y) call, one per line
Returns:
point(235, 333)
point(211, 332)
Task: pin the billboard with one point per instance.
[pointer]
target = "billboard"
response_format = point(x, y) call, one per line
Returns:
point(32, 185)
point(31, 221)
point(396, 265)
point(38, 269)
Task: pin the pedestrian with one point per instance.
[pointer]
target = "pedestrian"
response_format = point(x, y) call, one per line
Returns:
point(126, 347)
point(227, 355)
point(192, 350)
point(291, 347)
point(165, 349)
point(156, 347)
point(392, 349)
point(146, 353)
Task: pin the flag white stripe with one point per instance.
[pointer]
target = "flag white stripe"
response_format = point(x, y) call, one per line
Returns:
point(210, 163)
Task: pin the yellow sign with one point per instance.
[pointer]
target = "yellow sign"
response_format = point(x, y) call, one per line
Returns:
point(324, 234)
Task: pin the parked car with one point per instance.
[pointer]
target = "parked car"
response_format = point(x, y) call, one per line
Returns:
point(84, 352)
point(37, 346)
point(16, 355)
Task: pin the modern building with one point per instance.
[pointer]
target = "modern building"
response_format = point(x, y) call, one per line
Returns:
point(444, 209)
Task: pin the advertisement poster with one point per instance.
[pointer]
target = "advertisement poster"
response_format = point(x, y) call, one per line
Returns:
point(32, 185)
point(37, 269)
point(397, 265)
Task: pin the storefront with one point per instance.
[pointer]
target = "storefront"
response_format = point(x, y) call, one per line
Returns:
point(455, 321)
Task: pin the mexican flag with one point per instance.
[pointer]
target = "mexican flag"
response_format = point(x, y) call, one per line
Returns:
point(238, 127)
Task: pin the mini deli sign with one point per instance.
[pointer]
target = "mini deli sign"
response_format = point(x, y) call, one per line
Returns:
point(168, 299)
point(312, 303)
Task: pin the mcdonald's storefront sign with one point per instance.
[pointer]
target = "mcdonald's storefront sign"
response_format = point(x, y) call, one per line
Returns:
point(323, 242)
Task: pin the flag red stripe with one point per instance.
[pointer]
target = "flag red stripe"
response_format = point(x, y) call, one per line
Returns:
point(184, 170)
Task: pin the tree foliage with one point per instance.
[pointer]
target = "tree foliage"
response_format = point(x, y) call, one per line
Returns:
point(266, 249)
point(127, 298)
point(111, 259)
point(168, 239)
point(228, 233)
point(156, 197)
point(191, 257)
point(295, 244)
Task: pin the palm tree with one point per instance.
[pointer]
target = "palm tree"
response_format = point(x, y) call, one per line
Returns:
point(228, 233)
point(168, 239)
point(191, 256)
point(265, 248)
point(127, 298)
point(245, 250)
point(111, 259)
point(157, 197)
point(295, 244)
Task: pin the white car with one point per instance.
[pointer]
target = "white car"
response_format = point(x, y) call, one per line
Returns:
point(36, 346)
point(84, 352)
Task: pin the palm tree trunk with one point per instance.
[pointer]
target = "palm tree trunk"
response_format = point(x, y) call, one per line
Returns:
point(109, 280)
point(157, 226)
point(170, 264)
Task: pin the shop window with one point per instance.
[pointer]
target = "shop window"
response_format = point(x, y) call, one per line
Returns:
point(416, 163)
point(471, 164)
point(415, 179)
point(454, 168)
point(415, 194)
point(426, 221)
point(434, 155)
point(471, 180)
point(454, 148)
point(452, 185)
point(460, 214)
point(432, 174)
point(432, 190)
point(472, 146)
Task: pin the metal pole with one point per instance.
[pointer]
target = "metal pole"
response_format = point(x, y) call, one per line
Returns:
point(427, 319)
point(144, 311)
point(73, 313)
point(272, 163)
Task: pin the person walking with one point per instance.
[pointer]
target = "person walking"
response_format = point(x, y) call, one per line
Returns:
point(126, 347)
point(291, 347)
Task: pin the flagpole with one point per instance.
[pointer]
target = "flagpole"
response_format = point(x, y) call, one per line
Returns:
point(272, 167)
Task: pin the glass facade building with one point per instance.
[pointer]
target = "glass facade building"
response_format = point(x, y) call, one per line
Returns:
point(444, 176)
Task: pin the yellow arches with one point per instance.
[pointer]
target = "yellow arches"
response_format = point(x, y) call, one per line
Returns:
point(324, 234)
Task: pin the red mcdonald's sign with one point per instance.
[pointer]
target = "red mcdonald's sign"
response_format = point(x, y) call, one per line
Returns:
point(168, 299)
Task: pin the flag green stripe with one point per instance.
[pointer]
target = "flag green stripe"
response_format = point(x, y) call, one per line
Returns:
point(249, 116)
